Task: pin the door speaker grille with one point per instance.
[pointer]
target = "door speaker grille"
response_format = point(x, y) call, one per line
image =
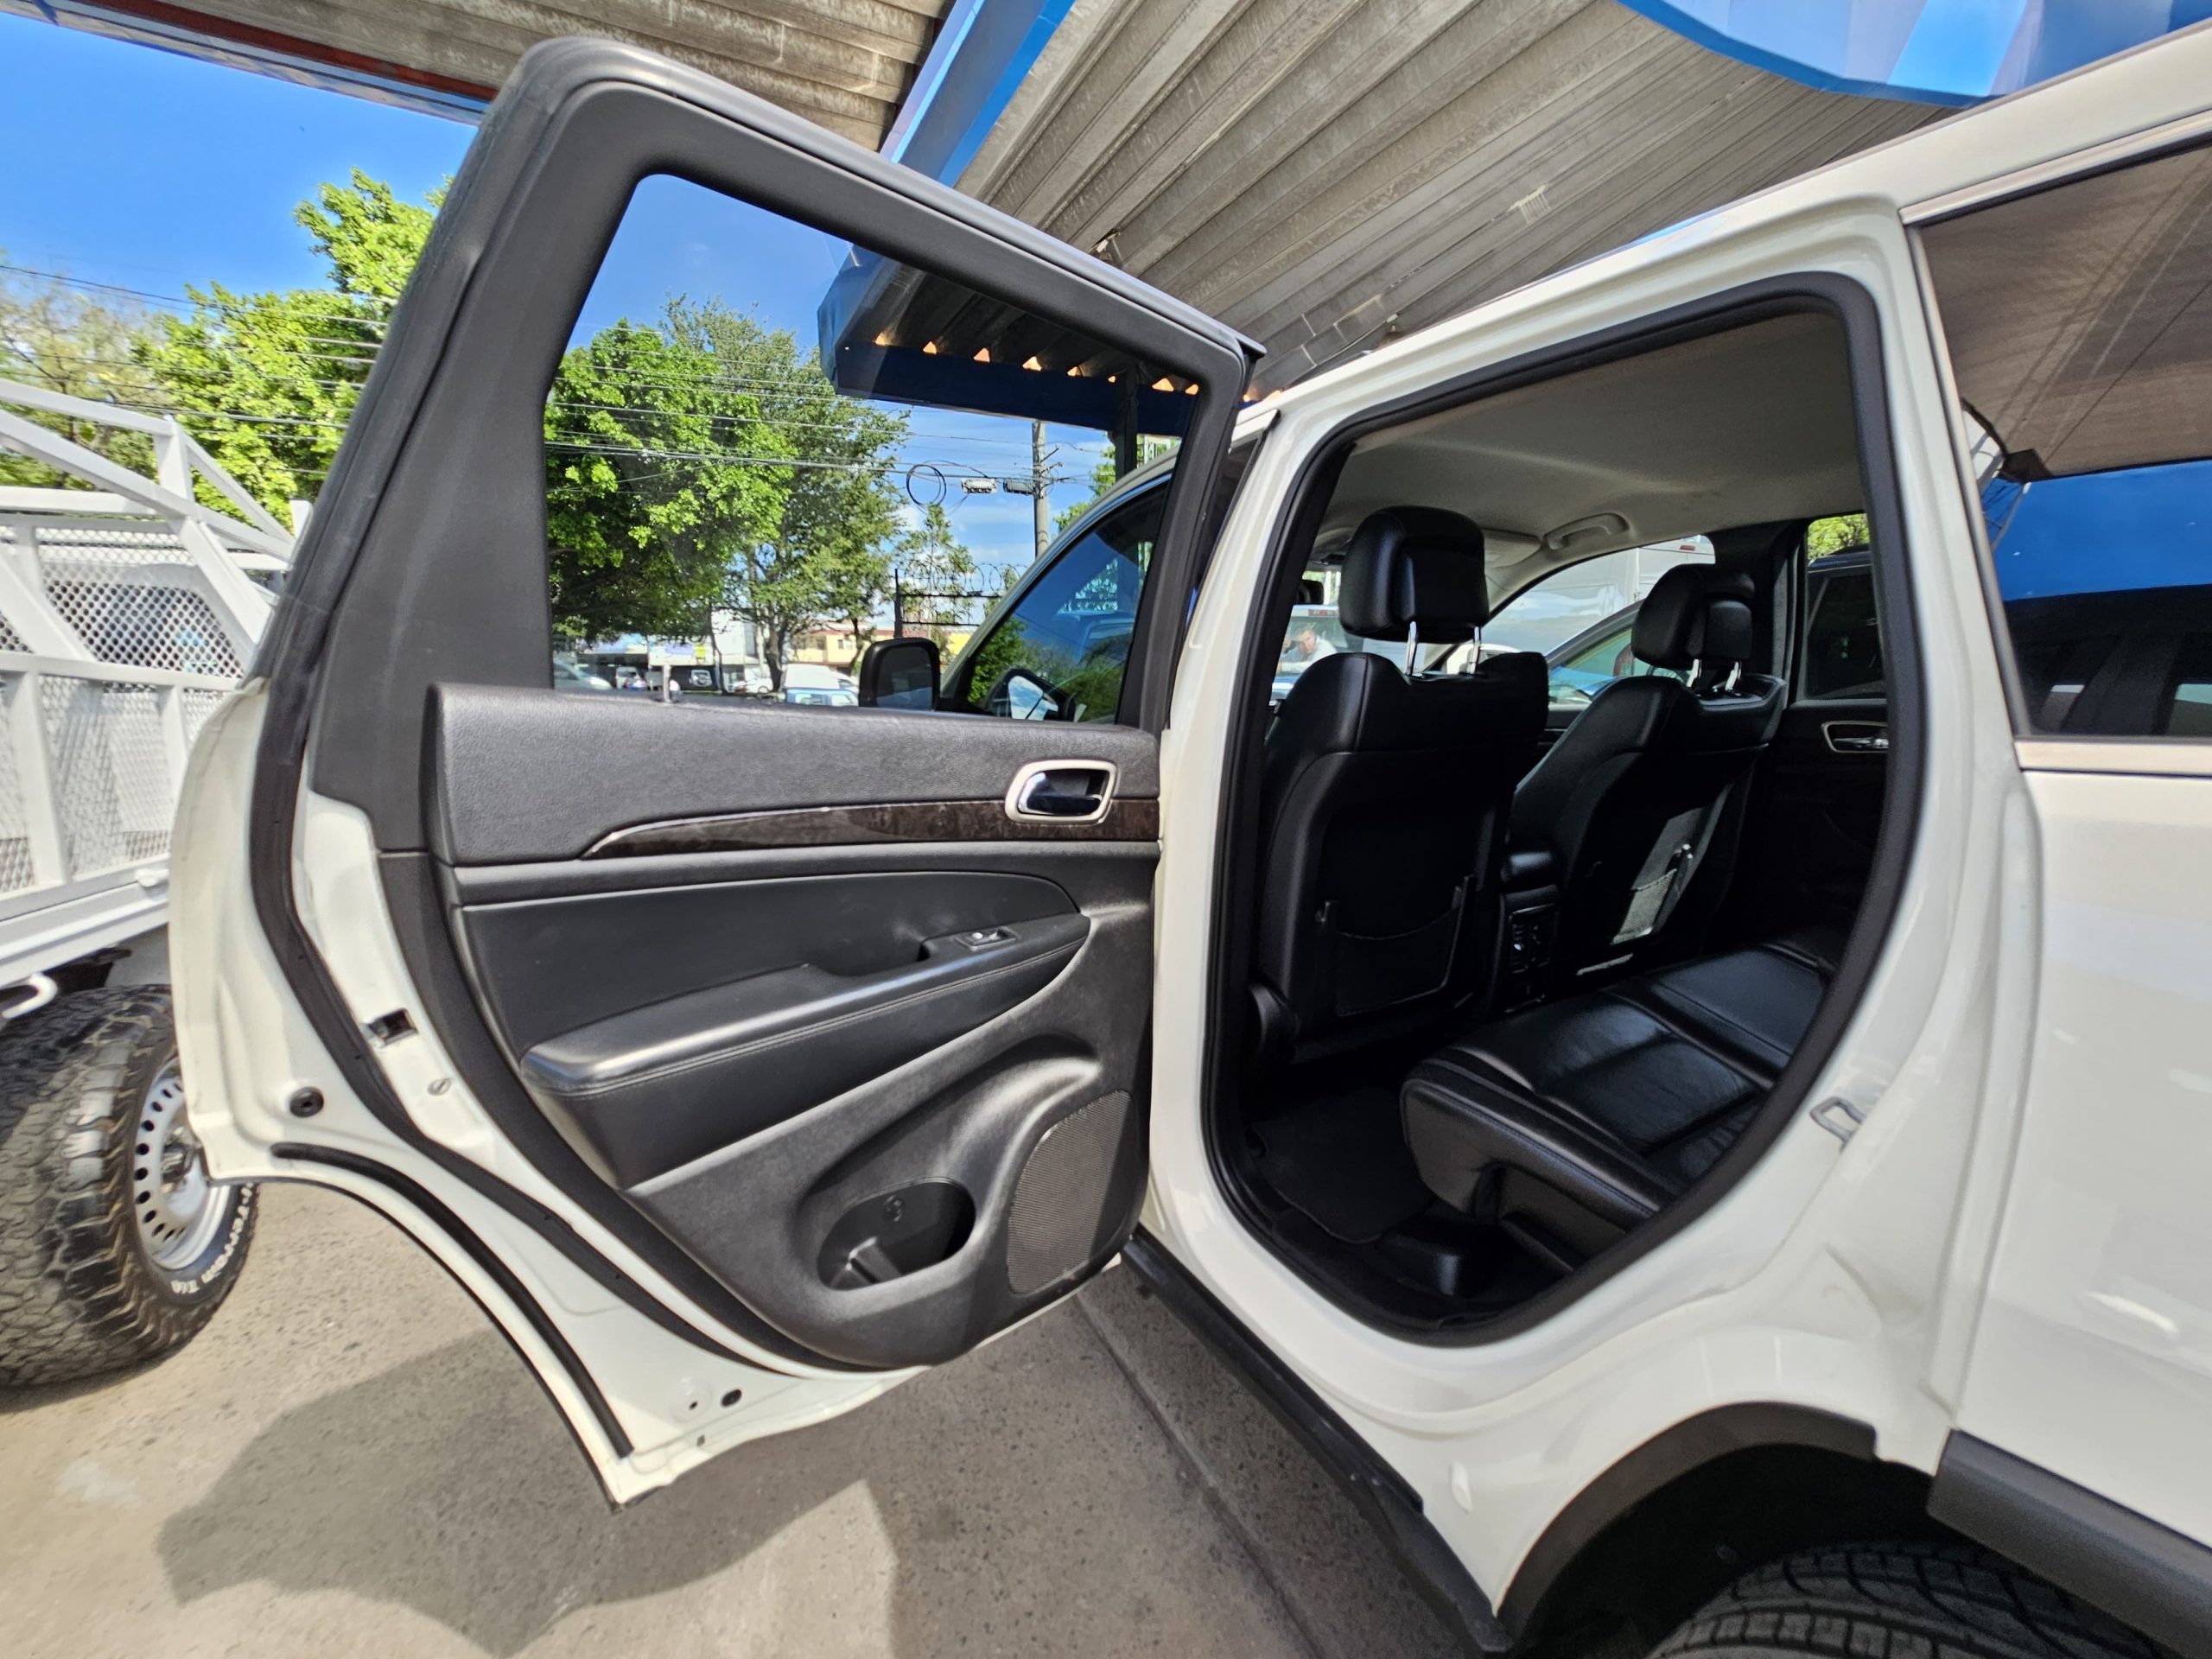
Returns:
point(1064, 1203)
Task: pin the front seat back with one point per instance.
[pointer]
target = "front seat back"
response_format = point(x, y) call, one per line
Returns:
point(1384, 797)
point(1628, 801)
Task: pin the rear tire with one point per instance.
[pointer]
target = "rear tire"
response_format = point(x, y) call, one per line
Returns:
point(112, 1247)
point(1899, 1601)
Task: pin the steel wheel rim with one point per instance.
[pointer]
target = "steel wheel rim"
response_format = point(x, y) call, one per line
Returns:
point(177, 1209)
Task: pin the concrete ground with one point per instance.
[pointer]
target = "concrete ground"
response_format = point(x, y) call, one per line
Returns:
point(349, 1461)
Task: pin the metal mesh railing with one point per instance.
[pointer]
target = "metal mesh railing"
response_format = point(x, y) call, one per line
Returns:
point(17, 869)
point(113, 793)
point(197, 706)
point(127, 612)
point(132, 595)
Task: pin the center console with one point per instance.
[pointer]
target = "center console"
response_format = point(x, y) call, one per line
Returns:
point(1530, 927)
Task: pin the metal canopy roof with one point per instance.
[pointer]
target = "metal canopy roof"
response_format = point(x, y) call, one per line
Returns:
point(845, 64)
point(1324, 174)
point(1319, 174)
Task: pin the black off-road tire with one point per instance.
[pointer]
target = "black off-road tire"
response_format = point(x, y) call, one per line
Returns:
point(80, 1291)
point(1899, 1601)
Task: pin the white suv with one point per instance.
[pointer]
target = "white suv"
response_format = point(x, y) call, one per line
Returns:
point(1759, 1105)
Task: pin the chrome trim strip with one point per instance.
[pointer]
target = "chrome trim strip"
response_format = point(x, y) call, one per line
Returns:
point(2123, 756)
point(2058, 169)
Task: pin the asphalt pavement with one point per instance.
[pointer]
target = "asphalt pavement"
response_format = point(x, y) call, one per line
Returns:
point(349, 1461)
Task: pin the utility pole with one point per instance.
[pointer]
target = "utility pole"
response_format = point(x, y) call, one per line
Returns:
point(1039, 500)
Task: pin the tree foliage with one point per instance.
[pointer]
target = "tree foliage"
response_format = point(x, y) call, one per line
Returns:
point(935, 568)
point(63, 339)
point(822, 552)
point(266, 381)
point(696, 462)
point(659, 472)
point(1839, 535)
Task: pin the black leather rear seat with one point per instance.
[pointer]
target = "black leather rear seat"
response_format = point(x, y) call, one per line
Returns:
point(1571, 1123)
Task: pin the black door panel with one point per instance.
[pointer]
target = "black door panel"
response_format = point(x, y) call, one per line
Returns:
point(531, 775)
point(1816, 814)
point(657, 1086)
point(548, 965)
point(837, 1077)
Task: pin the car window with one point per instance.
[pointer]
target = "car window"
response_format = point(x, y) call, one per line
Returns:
point(1842, 652)
point(745, 489)
point(1843, 640)
point(1581, 617)
point(2080, 327)
point(1058, 651)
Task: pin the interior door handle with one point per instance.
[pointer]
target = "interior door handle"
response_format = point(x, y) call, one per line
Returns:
point(1857, 736)
point(1061, 792)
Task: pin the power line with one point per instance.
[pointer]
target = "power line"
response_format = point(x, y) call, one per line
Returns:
point(141, 382)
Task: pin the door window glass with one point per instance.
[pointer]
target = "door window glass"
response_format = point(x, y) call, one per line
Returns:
point(1583, 615)
point(1058, 652)
point(1843, 634)
point(2079, 323)
point(765, 450)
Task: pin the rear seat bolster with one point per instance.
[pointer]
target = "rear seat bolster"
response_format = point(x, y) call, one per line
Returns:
point(1618, 1099)
point(1460, 1123)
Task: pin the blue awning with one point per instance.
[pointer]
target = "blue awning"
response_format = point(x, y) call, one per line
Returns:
point(1926, 51)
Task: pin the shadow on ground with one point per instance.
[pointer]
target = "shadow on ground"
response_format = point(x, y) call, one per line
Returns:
point(1022, 1500)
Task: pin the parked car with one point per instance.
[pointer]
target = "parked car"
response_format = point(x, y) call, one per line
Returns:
point(1716, 1168)
point(569, 675)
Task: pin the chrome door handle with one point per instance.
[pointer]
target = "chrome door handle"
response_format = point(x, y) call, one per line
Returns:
point(1857, 736)
point(1061, 792)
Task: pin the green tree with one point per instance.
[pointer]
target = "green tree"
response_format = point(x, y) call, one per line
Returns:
point(660, 472)
point(63, 338)
point(1839, 535)
point(823, 554)
point(370, 238)
point(266, 381)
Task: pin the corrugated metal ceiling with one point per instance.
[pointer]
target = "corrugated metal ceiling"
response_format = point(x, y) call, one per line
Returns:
point(1324, 173)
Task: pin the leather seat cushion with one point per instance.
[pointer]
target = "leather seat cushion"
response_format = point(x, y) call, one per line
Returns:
point(1616, 1100)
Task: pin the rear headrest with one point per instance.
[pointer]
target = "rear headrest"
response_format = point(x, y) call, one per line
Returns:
point(1415, 564)
point(1694, 615)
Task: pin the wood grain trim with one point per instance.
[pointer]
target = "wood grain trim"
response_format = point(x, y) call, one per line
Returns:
point(852, 826)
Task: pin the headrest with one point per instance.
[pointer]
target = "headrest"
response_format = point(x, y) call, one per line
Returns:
point(1415, 564)
point(1694, 615)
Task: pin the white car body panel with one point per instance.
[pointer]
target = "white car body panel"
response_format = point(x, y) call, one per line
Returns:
point(1871, 1279)
point(1840, 1278)
point(2094, 1354)
point(248, 1049)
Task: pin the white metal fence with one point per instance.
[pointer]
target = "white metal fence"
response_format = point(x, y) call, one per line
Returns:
point(128, 608)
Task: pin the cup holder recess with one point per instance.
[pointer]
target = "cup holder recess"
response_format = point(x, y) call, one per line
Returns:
point(894, 1234)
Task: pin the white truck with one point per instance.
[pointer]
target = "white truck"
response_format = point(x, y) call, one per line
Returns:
point(128, 609)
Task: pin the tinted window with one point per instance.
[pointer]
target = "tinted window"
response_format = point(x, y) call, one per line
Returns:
point(765, 450)
point(1059, 651)
point(2080, 321)
point(1843, 637)
point(1581, 617)
point(2188, 699)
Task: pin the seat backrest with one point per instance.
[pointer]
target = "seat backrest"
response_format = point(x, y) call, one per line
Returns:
point(1384, 795)
point(1631, 798)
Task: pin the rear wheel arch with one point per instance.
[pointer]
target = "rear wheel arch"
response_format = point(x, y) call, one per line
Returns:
point(1678, 1519)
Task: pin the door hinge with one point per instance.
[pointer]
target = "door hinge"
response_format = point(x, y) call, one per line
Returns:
point(1838, 1117)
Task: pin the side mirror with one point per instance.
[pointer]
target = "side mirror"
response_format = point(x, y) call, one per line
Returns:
point(899, 674)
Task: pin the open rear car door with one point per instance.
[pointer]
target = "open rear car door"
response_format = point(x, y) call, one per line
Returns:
point(738, 1057)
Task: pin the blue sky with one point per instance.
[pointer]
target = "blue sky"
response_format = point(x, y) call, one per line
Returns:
point(148, 170)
